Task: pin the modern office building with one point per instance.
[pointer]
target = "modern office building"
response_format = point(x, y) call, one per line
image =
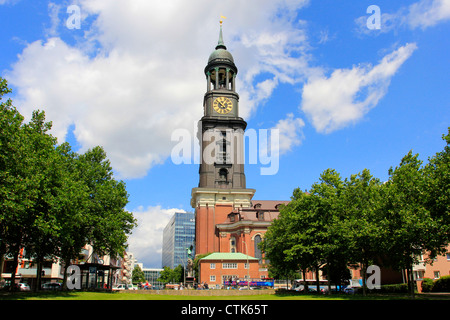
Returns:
point(178, 237)
point(151, 276)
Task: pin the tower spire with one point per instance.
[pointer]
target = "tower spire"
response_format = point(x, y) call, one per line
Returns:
point(220, 43)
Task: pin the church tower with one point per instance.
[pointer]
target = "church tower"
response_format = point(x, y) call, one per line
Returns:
point(222, 128)
point(222, 186)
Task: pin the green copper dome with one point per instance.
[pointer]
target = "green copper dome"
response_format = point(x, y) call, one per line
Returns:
point(221, 54)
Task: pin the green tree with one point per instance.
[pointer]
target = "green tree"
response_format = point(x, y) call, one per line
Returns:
point(303, 236)
point(29, 188)
point(137, 275)
point(110, 222)
point(361, 230)
point(327, 207)
point(166, 275)
point(169, 275)
point(362, 221)
point(406, 218)
point(437, 198)
point(73, 220)
point(13, 183)
point(178, 274)
point(276, 245)
point(52, 200)
point(44, 172)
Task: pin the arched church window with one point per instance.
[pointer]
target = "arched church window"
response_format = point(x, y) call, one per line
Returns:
point(223, 174)
point(258, 253)
point(222, 148)
point(232, 244)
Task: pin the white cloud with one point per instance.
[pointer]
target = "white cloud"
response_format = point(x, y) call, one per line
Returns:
point(348, 94)
point(422, 14)
point(290, 132)
point(9, 2)
point(53, 10)
point(428, 13)
point(136, 74)
point(146, 239)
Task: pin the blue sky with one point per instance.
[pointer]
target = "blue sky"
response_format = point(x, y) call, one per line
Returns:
point(342, 95)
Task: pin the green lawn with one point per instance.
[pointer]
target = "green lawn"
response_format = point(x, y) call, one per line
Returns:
point(75, 295)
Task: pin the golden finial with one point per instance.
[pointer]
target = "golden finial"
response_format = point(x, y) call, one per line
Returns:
point(222, 17)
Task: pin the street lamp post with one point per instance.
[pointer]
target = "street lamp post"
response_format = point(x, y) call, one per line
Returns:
point(184, 271)
point(248, 266)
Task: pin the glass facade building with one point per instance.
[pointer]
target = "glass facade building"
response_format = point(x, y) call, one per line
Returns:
point(152, 275)
point(178, 236)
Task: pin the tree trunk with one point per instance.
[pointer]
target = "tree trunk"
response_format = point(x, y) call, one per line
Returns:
point(317, 280)
point(329, 278)
point(66, 265)
point(305, 284)
point(38, 274)
point(2, 262)
point(14, 269)
point(2, 258)
point(364, 277)
point(411, 282)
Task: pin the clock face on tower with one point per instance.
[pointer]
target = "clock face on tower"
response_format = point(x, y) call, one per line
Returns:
point(223, 105)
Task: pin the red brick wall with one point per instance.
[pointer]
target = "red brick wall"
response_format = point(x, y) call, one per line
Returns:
point(441, 264)
point(206, 219)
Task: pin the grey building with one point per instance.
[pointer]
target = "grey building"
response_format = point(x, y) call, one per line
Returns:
point(178, 235)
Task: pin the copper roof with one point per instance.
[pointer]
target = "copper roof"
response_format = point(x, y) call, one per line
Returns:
point(268, 204)
point(261, 210)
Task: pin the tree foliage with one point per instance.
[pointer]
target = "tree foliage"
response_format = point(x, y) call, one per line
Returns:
point(362, 221)
point(137, 276)
point(169, 275)
point(53, 201)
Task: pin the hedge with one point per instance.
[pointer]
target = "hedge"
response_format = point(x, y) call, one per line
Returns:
point(442, 284)
point(427, 284)
point(392, 288)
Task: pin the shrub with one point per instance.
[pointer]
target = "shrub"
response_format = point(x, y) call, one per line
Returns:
point(282, 292)
point(427, 284)
point(442, 284)
point(393, 288)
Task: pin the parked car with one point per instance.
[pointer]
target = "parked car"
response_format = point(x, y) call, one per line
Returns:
point(119, 287)
point(51, 286)
point(125, 287)
point(351, 290)
point(23, 287)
